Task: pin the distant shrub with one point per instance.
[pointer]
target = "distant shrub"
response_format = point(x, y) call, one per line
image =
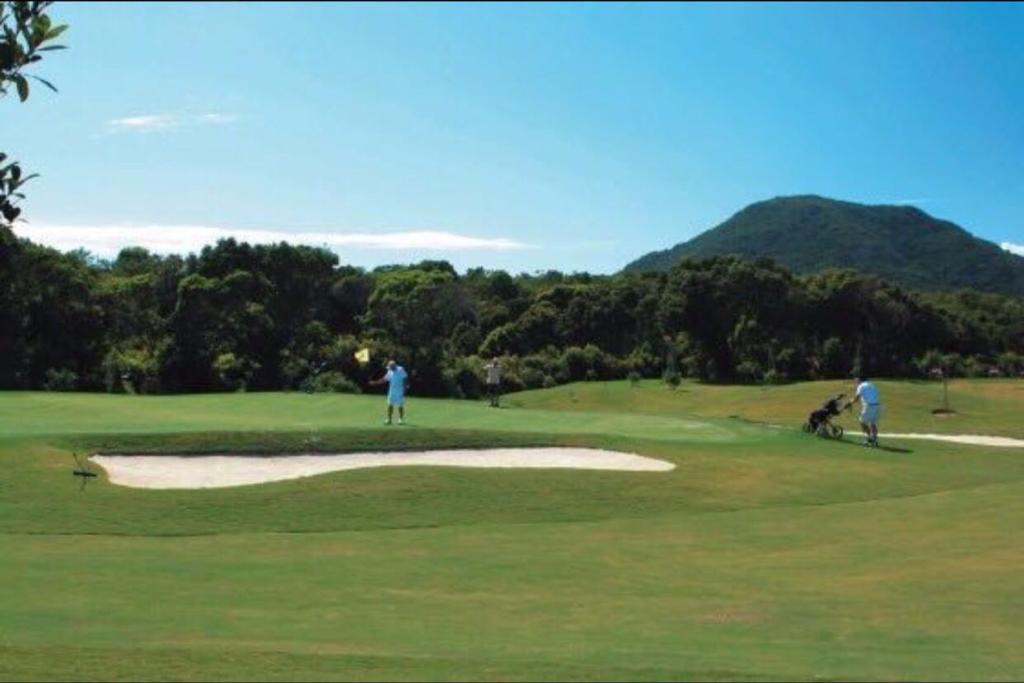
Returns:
point(953, 364)
point(234, 372)
point(749, 371)
point(975, 366)
point(588, 363)
point(511, 380)
point(294, 370)
point(791, 363)
point(832, 360)
point(574, 364)
point(1011, 364)
point(60, 380)
point(502, 339)
point(643, 362)
point(465, 339)
point(929, 364)
point(130, 370)
point(698, 364)
point(672, 378)
point(546, 362)
point(332, 382)
point(532, 377)
point(462, 378)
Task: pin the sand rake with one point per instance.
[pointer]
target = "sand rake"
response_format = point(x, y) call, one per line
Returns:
point(82, 470)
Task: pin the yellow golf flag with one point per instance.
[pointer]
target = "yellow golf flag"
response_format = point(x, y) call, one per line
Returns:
point(363, 356)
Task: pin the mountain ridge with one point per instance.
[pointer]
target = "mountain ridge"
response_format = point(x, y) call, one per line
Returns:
point(809, 233)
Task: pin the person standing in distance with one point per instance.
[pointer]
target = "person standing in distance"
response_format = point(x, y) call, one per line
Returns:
point(870, 409)
point(493, 370)
point(396, 379)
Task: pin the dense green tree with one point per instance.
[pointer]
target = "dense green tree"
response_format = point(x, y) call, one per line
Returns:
point(53, 323)
point(417, 308)
point(349, 298)
point(737, 314)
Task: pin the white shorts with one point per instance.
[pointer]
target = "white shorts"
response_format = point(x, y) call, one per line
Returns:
point(869, 414)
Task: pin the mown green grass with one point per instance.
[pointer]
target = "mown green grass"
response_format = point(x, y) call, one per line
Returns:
point(766, 554)
point(979, 406)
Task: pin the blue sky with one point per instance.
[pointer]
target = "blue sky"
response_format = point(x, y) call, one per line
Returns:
point(525, 137)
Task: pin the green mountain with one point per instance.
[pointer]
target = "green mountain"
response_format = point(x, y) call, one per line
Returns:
point(900, 243)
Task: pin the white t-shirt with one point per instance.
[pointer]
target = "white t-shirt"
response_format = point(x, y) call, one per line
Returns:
point(493, 373)
point(868, 393)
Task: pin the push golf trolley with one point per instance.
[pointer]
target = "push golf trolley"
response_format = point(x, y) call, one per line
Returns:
point(825, 429)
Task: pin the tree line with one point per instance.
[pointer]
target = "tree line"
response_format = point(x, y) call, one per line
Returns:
point(237, 316)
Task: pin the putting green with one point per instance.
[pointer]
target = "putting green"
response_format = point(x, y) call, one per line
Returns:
point(765, 553)
point(36, 413)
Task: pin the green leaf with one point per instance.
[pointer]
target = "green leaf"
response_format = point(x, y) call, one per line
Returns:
point(55, 31)
point(36, 32)
point(23, 87)
point(45, 82)
point(32, 38)
point(52, 47)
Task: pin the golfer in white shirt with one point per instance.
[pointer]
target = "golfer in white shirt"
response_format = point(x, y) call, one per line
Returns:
point(870, 409)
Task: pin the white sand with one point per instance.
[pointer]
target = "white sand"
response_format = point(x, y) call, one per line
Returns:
point(217, 471)
point(970, 439)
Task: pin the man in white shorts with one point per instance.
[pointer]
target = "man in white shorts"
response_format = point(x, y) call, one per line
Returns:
point(870, 409)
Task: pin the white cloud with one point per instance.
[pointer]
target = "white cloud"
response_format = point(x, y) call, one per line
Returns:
point(215, 117)
point(144, 124)
point(1017, 249)
point(912, 201)
point(150, 123)
point(107, 240)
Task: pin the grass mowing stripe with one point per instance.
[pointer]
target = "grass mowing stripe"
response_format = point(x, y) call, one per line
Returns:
point(833, 591)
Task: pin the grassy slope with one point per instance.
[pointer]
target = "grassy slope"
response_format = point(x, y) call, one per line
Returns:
point(982, 406)
point(765, 554)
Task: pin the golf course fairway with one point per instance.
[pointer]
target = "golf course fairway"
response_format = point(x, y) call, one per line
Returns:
point(765, 554)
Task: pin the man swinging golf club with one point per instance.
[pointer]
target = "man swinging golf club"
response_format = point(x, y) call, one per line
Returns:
point(396, 379)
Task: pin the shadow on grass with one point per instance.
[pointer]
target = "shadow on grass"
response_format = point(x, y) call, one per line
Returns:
point(888, 449)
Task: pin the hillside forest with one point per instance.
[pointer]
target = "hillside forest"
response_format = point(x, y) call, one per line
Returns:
point(237, 317)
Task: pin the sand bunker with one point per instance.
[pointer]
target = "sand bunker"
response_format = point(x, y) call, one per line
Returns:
point(970, 439)
point(217, 471)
